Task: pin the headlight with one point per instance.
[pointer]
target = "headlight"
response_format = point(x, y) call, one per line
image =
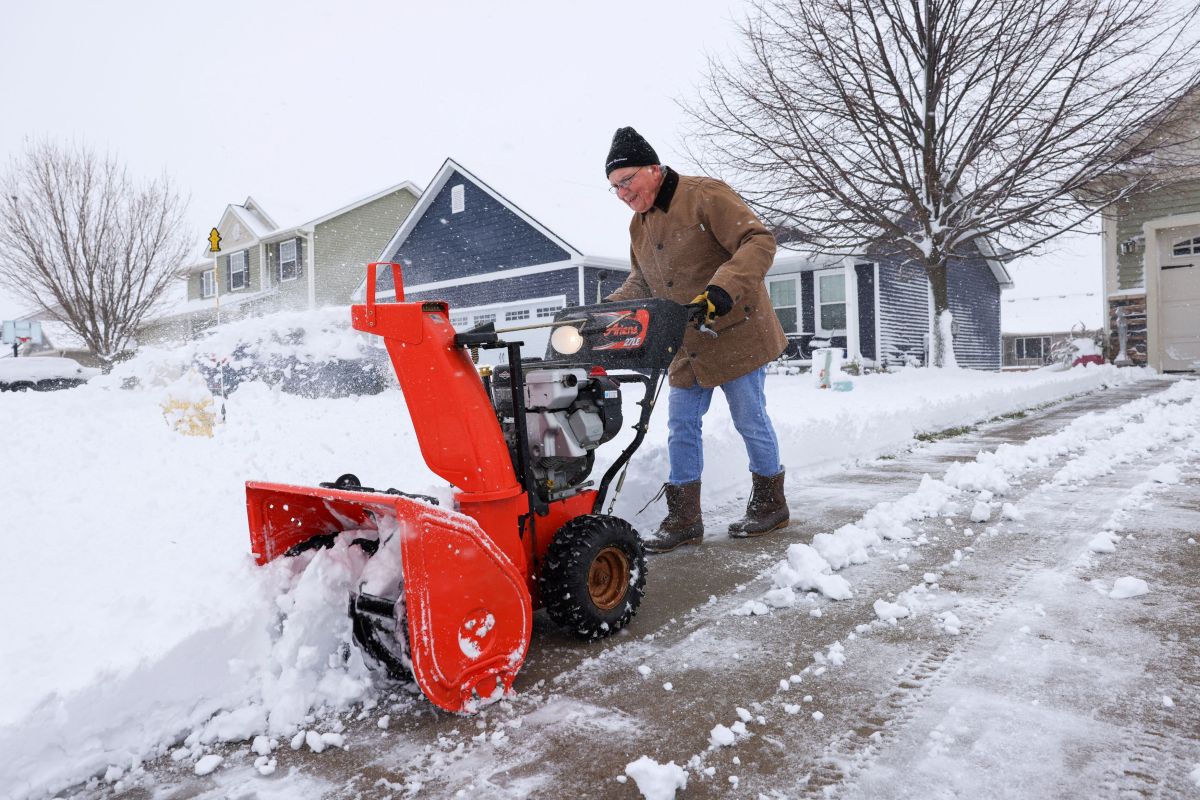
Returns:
point(566, 340)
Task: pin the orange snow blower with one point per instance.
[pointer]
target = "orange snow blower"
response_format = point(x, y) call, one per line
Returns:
point(447, 596)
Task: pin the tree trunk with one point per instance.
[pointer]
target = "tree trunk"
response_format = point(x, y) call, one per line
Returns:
point(935, 269)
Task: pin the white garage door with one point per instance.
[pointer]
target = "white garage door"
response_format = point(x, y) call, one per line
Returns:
point(1179, 311)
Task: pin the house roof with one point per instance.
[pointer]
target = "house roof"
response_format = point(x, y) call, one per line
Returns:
point(263, 228)
point(789, 260)
point(581, 218)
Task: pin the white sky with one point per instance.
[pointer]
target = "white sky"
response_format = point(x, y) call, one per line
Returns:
point(308, 106)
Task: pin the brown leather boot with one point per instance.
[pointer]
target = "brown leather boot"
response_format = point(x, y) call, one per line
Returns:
point(767, 509)
point(683, 524)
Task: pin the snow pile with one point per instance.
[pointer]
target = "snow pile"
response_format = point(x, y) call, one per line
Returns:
point(313, 353)
point(657, 781)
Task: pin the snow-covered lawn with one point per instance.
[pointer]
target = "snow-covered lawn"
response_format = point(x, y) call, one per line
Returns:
point(134, 616)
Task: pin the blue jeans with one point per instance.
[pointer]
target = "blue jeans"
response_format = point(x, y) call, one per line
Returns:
point(748, 407)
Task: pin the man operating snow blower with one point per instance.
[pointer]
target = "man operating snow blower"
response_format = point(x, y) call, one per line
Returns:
point(694, 240)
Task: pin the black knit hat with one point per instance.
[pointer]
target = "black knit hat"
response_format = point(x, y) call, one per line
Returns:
point(629, 149)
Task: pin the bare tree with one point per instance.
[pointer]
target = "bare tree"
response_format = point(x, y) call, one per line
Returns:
point(80, 240)
point(923, 127)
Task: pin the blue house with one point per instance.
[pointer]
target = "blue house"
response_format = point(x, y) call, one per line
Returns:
point(465, 243)
point(879, 308)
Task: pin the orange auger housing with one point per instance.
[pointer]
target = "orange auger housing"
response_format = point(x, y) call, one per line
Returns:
point(471, 577)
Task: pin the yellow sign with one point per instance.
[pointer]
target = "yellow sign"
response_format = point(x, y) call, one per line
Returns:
point(214, 241)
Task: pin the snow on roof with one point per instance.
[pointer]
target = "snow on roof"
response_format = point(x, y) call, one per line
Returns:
point(59, 336)
point(1051, 313)
point(1056, 290)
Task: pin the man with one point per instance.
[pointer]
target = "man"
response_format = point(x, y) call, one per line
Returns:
point(694, 240)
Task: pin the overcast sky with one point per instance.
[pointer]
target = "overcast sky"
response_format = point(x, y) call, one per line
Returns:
point(308, 106)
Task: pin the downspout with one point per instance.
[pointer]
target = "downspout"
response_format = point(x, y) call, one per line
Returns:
point(311, 237)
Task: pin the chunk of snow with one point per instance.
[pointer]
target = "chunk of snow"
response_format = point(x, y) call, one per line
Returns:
point(643, 670)
point(657, 781)
point(806, 570)
point(1168, 702)
point(1103, 542)
point(818, 716)
point(384, 721)
point(667, 686)
point(744, 715)
point(1009, 511)
point(720, 736)
point(265, 765)
point(981, 512)
point(208, 763)
point(1165, 473)
point(950, 622)
point(261, 745)
point(1128, 587)
point(890, 612)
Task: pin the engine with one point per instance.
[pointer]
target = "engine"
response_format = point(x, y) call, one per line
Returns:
point(569, 412)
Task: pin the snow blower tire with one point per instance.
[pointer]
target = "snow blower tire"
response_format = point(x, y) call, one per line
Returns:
point(594, 575)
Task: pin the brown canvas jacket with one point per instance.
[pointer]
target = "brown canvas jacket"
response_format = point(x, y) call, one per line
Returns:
point(699, 232)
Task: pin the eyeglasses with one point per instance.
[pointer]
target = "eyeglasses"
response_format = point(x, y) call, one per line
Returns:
point(624, 184)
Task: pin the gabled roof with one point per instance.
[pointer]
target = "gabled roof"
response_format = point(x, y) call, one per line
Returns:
point(449, 168)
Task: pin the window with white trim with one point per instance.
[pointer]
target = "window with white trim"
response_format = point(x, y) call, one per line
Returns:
point(516, 316)
point(458, 199)
point(289, 260)
point(460, 322)
point(1186, 247)
point(830, 302)
point(481, 319)
point(783, 298)
point(548, 311)
point(1035, 349)
point(208, 283)
point(239, 270)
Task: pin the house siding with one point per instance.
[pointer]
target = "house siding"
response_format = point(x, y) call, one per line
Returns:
point(508, 290)
point(1177, 198)
point(974, 296)
point(904, 311)
point(484, 237)
point(195, 280)
point(347, 243)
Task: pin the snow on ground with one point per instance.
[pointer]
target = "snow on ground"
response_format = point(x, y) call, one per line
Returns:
point(136, 623)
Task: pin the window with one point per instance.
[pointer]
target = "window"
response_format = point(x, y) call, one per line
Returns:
point(1034, 348)
point(515, 316)
point(1186, 247)
point(208, 283)
point(239, 270)
point(481, 319)
point(460, 322)
point(831, 302)
point(289, 260)
point(547, 311)
point(458, 199)
point(783, 298)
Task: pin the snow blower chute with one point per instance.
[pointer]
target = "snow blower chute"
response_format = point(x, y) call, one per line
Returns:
point(517, 443)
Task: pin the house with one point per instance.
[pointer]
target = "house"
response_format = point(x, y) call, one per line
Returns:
point(262, 267)
point(1151, 257)
point(1037, 326)
point(57, 338)
point(879, 307)
point(469, 245)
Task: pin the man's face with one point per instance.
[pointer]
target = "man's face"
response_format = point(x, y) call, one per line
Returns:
point(636, 186)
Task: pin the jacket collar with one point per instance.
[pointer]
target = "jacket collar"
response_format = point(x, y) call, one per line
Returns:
point(662, 201)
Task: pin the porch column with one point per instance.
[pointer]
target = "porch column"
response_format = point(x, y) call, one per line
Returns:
point(853, 346)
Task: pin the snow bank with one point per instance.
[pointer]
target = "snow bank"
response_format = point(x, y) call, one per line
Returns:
point(135, 617)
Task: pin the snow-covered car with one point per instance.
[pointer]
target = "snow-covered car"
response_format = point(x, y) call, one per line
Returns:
point(42, 373)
